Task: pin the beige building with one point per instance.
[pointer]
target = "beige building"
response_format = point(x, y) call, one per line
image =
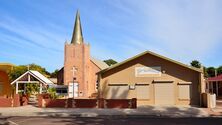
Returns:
point(152, 79)
point(79, 71)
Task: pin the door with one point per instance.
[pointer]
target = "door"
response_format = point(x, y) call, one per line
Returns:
point(164, 94)
point(73, 90)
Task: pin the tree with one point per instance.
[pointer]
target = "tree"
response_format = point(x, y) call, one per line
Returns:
point(219, 70)
point(205, 72)
point(54, 74)
point(19, 70)
point(110, 62)
point(196, 63)
point(211, 71)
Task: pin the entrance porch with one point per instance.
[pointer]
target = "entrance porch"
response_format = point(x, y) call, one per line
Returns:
point(214, 85)
point(30, 84)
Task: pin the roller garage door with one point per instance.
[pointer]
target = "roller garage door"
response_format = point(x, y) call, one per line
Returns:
point(117, 91)
point(164, 94)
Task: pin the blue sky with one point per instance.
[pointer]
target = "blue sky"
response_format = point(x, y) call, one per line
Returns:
point(34, 31)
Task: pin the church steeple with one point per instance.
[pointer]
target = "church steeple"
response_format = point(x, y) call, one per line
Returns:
point(77, 37)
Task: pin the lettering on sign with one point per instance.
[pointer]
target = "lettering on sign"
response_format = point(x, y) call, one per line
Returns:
point(148, 71)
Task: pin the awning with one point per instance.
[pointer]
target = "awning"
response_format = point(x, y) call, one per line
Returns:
point(215, 79)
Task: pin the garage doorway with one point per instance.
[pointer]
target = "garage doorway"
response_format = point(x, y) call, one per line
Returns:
point(164, 94)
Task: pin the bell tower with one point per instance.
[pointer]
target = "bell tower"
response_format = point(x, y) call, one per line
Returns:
point(77, 62)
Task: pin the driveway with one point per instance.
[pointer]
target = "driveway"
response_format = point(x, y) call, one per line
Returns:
point(151, 111)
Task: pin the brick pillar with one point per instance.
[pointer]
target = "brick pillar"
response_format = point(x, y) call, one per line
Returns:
point(16, 100)
point(40, 100)
point(134, 103)
point(101, 103)
point(69, 102)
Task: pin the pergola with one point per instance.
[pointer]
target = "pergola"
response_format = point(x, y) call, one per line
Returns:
point(213, 84)
point(32, 77)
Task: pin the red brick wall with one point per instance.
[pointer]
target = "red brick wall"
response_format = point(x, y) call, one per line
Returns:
point(16, 100)
point(59, 103)
point(5, 102)
point(117, 103)
point(85, 103)
point(78, 55)
point(40, 98)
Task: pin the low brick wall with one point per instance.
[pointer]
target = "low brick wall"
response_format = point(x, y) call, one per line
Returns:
point(117, 103)
point(57, 103)
point(85, 103)
point(5, 102)
point(45, 101)
point(10, 102)
point(16, 100)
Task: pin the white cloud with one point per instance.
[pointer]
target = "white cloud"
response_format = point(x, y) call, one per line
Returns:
point(184, 29)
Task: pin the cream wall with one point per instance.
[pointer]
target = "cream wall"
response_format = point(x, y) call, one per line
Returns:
point(126, 74)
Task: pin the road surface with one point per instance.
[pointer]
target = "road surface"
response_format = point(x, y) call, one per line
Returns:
point(108, 121)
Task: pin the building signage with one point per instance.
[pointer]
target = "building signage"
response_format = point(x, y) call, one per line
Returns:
point(148, 71)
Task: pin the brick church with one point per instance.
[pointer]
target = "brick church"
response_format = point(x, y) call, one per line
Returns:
point(79, 71)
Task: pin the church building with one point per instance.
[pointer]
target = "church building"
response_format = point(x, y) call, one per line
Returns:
point(79, 71)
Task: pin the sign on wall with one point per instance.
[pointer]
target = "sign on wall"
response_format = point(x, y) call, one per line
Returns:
point(148, 71)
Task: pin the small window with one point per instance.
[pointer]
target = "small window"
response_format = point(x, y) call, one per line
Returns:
point(61, 91)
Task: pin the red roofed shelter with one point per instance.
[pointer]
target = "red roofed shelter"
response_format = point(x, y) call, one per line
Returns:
point(214, 85)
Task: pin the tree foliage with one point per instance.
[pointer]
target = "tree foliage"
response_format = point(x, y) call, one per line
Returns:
point(211, 71)
point(19, 70)
point(31, 88)
point(196, 63)
point(54, 74)
point(219, 70)
point(110, 62)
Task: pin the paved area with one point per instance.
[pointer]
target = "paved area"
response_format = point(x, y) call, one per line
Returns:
point(218, 110)
point(152, 111)
point(108, 121)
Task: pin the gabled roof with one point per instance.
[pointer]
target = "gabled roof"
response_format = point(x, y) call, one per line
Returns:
point(154, 54)
point(214, 79)
point(102, 65)
point(36, 75)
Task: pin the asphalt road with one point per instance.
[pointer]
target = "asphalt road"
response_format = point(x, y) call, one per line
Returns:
point(108, 121)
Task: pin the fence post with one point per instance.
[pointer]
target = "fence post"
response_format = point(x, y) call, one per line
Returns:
point(40, 100)
point(69, 103)
point(73, 103)
point(101, 103)
point(134, 103)
point(16, 100)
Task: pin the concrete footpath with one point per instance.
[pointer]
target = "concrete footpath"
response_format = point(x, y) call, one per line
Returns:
point(149, 111)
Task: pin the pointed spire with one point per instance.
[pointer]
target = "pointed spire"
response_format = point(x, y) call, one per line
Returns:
point(77, 37)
